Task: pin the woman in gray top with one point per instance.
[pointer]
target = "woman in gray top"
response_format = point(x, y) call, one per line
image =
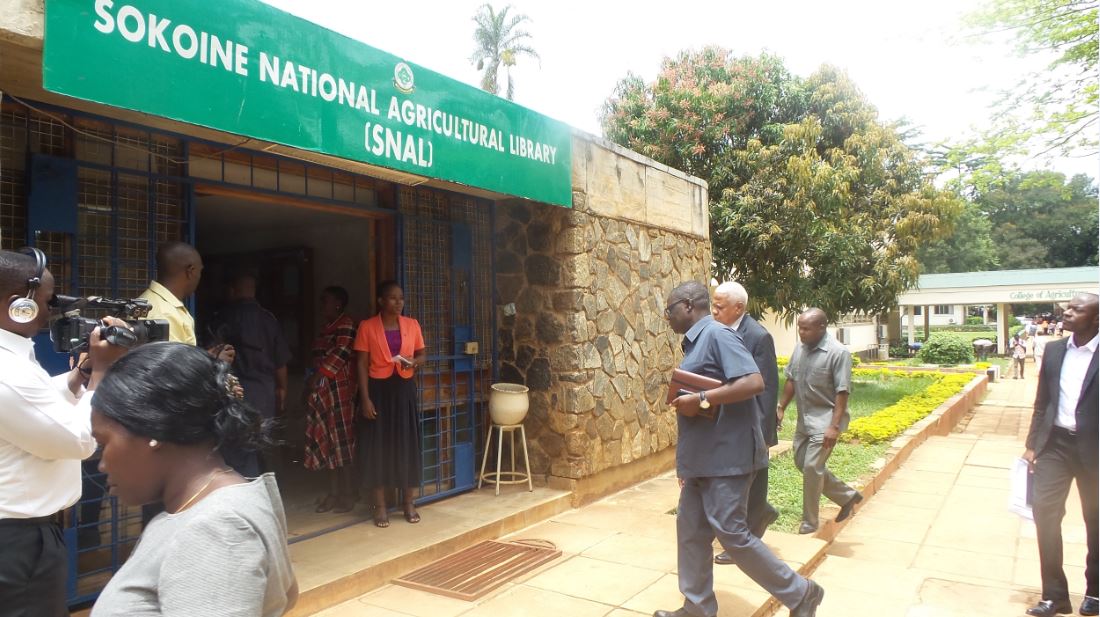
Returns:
point(163, 414)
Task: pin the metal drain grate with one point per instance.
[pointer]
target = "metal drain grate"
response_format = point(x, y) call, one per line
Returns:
point(474, 572)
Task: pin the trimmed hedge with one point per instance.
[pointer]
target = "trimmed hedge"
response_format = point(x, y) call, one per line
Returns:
point(891, 421)
point(944, 348)
point(977, 327)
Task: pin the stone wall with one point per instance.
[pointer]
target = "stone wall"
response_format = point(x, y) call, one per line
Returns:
point(580, 302)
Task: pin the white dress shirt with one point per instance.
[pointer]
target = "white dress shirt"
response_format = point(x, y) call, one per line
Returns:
point(737, 324)
point(1074, 366)
point(44, 433)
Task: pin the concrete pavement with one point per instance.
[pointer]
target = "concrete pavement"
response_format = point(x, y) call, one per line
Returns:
point(938, 539)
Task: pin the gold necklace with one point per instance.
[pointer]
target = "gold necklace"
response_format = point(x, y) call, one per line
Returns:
point(209, 481)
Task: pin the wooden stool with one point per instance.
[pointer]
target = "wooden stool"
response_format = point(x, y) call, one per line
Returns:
point(513, 476)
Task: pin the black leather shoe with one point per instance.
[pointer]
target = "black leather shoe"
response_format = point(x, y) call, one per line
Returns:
point(680, 612)
point(1090, 606)
point(770, 516)
point(808, 607)
point(806, 528)
point(846, 509)
point(723, 559)
point(1049, 608)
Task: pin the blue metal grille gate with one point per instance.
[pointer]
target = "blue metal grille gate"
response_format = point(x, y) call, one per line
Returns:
point(448, 287)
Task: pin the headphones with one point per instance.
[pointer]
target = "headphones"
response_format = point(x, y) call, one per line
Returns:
point(25, 309)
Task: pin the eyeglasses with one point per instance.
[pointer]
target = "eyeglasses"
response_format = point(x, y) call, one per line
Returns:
point(668, 309)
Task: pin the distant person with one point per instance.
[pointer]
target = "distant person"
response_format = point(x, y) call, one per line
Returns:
point(1062, 450)
point(262, 356)
point(819, 378)
point(163, 416)
point(1019, 355)
point(1038, 346)
point(330, 401)
point(728, 307)
point(391, 348)
point(715, 461)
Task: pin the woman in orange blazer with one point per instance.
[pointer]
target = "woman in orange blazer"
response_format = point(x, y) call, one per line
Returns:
point(390, 347)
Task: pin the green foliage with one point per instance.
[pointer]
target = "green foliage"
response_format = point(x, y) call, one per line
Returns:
point(872, 389)
point(1018, 220)
point(1054, 108)
point(500, 42)
point(855, 360)
point(977, 328)
point(891, 421)
point(1041, 220)
point(969, 247)
point(974, 320)
point(945, 348)
point(813, 200)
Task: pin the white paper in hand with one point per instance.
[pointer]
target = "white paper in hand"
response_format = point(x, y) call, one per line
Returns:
point(1019, 501)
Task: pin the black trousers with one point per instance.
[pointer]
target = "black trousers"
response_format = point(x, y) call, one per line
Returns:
point(1055, 468)
point(758, 500)
point(33, 569)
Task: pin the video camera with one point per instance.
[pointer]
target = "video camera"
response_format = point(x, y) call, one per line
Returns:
point(70, 332)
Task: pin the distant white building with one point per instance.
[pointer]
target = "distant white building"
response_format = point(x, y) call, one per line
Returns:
point(940, 296)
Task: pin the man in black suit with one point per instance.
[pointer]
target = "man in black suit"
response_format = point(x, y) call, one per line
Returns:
point(728, 308)
point(1061, 448)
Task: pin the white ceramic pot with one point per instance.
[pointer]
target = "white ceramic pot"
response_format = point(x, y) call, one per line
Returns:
point(508, 403)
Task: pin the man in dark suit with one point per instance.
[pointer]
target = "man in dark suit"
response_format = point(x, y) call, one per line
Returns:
point(728, 307)
point(1061, 448)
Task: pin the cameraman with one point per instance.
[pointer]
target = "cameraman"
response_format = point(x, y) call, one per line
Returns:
point(45, 429)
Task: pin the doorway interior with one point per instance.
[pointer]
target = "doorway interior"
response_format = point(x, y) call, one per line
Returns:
point(294, 251)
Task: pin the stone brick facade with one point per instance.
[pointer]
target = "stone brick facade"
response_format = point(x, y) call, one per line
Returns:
point(580, 302)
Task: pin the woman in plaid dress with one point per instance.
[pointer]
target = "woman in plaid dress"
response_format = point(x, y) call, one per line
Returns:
point(330, 433)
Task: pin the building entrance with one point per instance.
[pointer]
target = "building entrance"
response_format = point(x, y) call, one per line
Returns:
point(99, 196)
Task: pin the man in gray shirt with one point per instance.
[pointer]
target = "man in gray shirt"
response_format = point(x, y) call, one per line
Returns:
point(716, 458)
point(818, 377)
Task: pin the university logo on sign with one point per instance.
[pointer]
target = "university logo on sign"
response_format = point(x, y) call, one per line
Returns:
point(403, 78)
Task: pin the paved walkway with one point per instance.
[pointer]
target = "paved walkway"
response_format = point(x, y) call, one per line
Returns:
point(619, 560)
point(938, 539)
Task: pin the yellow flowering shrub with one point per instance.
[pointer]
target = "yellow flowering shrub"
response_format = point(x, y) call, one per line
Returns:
point(892, 420)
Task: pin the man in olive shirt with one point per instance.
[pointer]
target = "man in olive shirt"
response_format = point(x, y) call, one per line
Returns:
point(818, 377)
point(179, 269)
point(716, 458)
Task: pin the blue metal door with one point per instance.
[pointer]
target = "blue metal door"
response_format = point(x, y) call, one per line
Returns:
point(448, 289)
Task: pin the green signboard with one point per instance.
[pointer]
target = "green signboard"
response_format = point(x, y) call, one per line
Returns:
point(244, 67)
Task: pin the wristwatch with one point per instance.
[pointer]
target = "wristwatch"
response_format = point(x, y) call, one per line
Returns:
point(703, 402)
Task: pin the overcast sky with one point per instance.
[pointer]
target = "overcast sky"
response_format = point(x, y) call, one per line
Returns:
point(910, 58)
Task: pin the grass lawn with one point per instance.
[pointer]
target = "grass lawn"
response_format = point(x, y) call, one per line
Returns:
point(868, 396)
point(849, 462)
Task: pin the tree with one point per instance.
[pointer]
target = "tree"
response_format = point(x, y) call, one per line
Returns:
point(1056, 107)
point(500, 42)
point(1040, 220)
point(969, 247)
point(813, 200)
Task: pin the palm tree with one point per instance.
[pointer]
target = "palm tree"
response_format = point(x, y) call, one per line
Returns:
point(499, 43)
